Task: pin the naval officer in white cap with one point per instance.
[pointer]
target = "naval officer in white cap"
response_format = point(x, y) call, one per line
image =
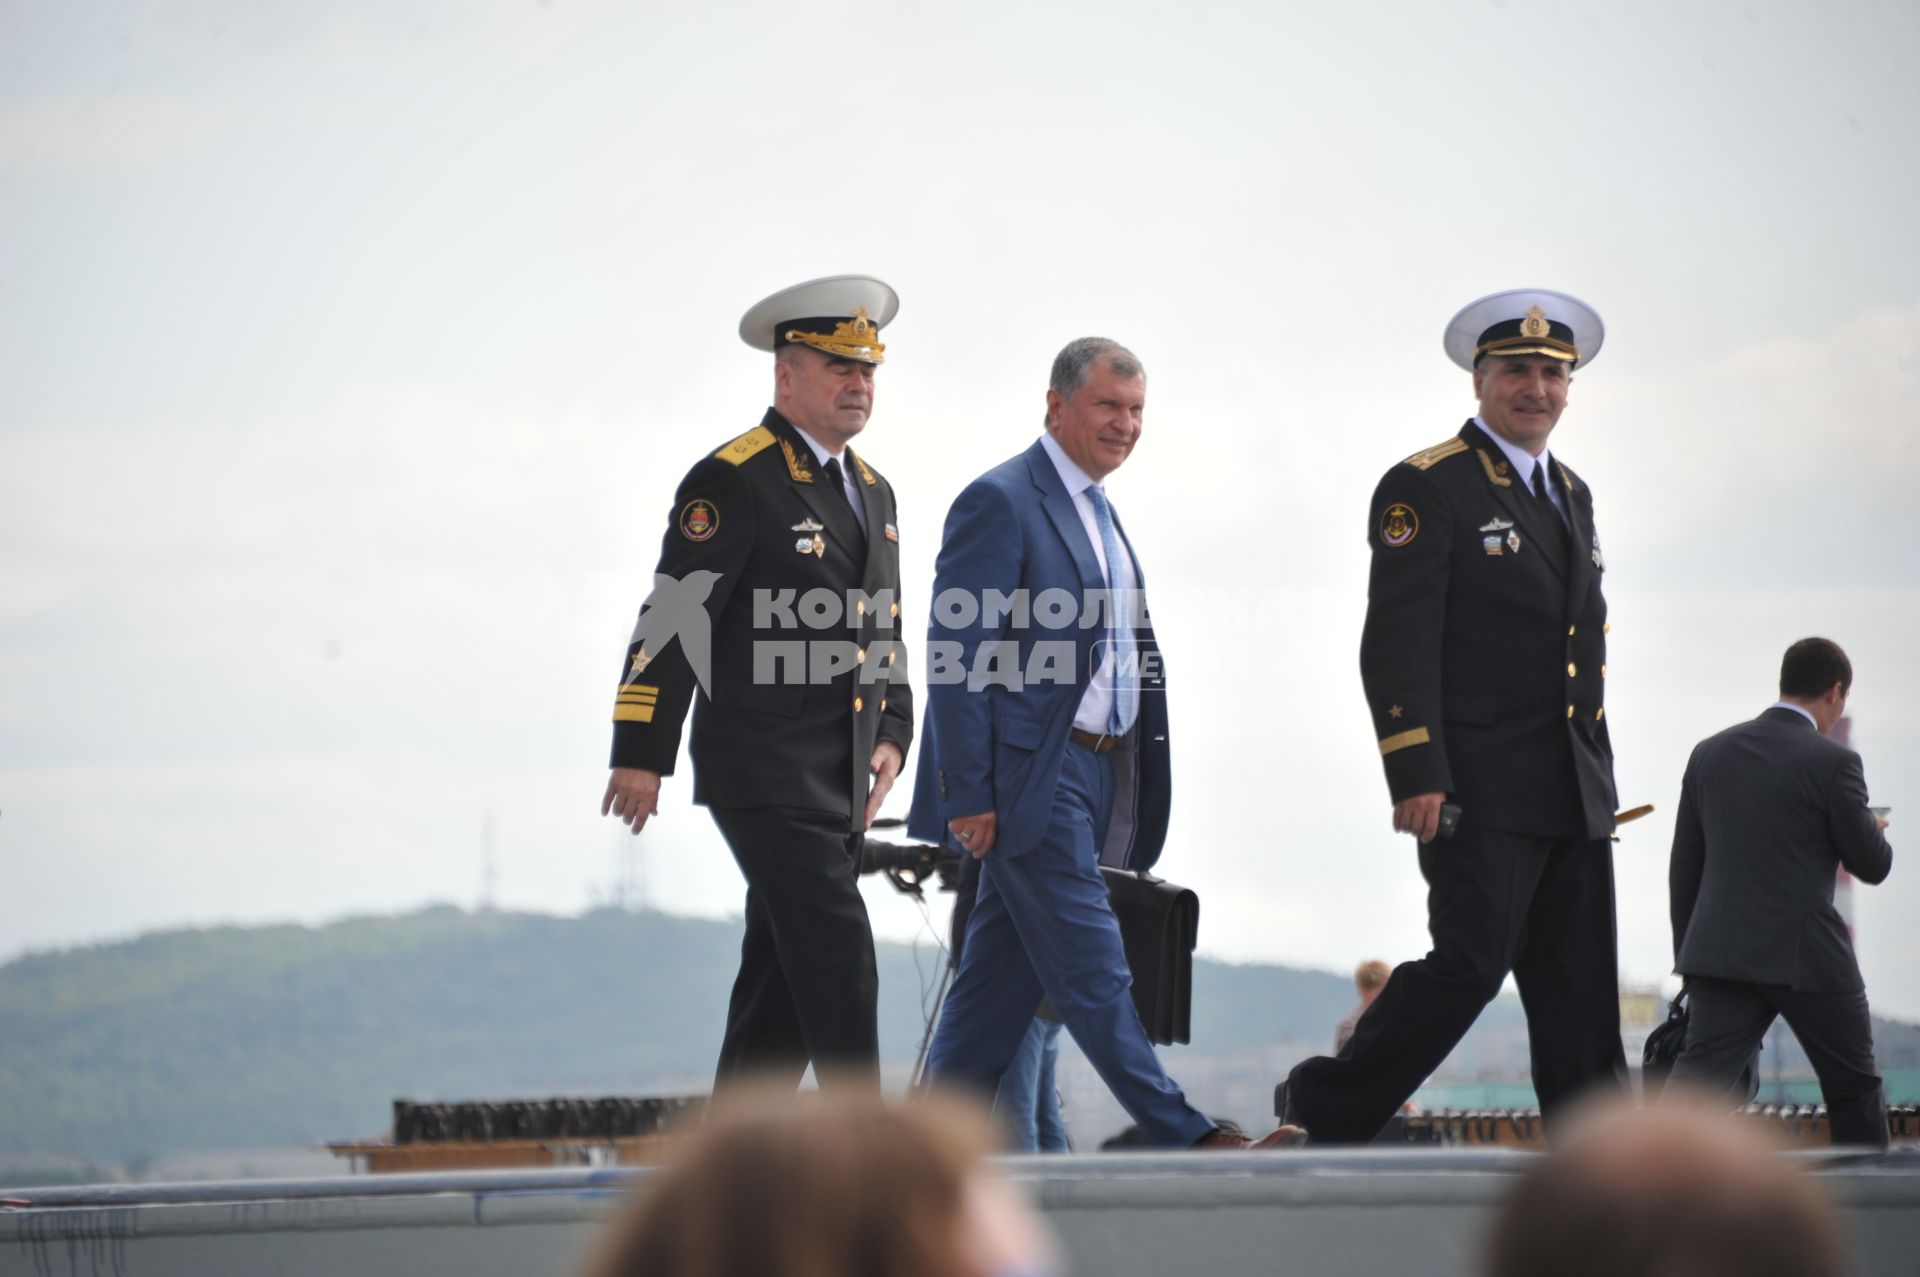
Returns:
point(1484, 660)
point(803, 714)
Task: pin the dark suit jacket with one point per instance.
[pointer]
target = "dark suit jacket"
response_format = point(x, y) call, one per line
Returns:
point(1484, 651)
point(772, 732)
point(993, 745)
point(1769, 810)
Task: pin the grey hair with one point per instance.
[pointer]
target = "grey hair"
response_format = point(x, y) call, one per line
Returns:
point(1077, 358)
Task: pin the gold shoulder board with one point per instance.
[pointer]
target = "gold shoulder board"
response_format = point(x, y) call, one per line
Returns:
point(755, 440)
point(1427, 457)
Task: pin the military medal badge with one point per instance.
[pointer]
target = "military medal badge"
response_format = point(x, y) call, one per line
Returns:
point(812, 543)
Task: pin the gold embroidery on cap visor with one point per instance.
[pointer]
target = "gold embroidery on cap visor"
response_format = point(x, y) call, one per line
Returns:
point(857, 338)
point(1398, 525)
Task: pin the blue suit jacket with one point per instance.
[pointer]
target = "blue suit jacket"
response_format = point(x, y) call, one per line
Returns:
point(992, 740)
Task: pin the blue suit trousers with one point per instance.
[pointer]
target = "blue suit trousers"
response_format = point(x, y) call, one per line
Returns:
point(1042, 925)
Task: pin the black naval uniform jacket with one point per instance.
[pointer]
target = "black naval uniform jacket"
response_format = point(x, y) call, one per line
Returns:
point(1484, 652)
point(761, 517)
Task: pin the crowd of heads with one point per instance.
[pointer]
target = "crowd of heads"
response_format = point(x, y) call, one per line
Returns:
point(843, 1184)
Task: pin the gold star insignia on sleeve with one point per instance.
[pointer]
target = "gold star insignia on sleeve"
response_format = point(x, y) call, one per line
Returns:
point(1394, 711)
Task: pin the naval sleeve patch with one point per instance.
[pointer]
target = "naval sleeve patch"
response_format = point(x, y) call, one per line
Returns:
point(1399, 525)
point(699, 520)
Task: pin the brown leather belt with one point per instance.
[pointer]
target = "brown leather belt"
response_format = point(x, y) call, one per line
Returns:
point(1098, 744)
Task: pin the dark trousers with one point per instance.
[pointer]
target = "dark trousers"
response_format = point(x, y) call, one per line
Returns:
point(807, 987)
point(1541, 908)
point(1726, 1021)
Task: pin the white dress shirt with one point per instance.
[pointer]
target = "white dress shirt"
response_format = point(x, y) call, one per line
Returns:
point(1523, 464)
point(854, 496)
point(1096, 705)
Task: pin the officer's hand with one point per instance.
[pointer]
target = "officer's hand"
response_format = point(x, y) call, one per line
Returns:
point(886, 765)
point(1419, 816)
point(1881, 821)
point(975, 832)
point(633, 794)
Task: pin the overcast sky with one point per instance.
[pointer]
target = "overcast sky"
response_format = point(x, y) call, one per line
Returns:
point(350, 355)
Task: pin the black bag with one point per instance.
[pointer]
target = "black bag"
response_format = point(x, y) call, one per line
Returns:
point(1664, 1046)
point(1663, 1049)
point(1159, 925)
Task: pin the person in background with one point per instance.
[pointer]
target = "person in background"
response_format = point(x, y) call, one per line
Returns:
point(834, 1184)
point(1027, 1102)
point(1664, 1193)
point(1770, 809)
point(1368, 979)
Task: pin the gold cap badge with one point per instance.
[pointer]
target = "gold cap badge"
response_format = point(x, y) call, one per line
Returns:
point(856, 338)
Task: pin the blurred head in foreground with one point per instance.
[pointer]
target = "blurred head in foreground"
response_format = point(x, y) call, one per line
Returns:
point(829, 1185)
point(1665, 1193)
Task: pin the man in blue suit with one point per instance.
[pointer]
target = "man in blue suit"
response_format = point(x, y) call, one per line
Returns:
point(1045, 749)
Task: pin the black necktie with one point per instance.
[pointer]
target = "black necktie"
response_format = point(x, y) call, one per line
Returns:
point(1540, 491)
point(837, 480)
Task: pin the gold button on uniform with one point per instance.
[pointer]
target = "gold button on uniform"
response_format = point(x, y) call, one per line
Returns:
point(1600, 713)
point(1571, 629)
point(1569, 709)
point(1571, 671)
point(1607, 628)
point(860, 657)
point(857, 703)
point(883, 703)
point(890, 656)
point(1603, 671)
point(895, 610)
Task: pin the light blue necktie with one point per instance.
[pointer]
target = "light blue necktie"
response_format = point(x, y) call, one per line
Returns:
point(1119, 619)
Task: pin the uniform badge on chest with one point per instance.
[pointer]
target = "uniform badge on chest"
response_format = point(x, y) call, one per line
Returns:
point(1495, 544)
point(815, 545)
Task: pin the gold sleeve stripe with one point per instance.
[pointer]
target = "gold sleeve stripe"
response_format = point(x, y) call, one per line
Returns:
point(1426, 458)
point(1404, 740)
point(633, 713)
point(641, 688)
point(637, 698)
point(748, 444)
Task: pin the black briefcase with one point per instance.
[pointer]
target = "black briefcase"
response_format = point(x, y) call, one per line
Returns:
point(1668, 1040)
point(1664, 1045)
point(1159, 925)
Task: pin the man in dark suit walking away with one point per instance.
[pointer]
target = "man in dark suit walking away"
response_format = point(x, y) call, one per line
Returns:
point(1769, 811)
point(1484, 660)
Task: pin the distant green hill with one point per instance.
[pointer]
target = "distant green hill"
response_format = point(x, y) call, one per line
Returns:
point(257, 1037)
point(249, 1037)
